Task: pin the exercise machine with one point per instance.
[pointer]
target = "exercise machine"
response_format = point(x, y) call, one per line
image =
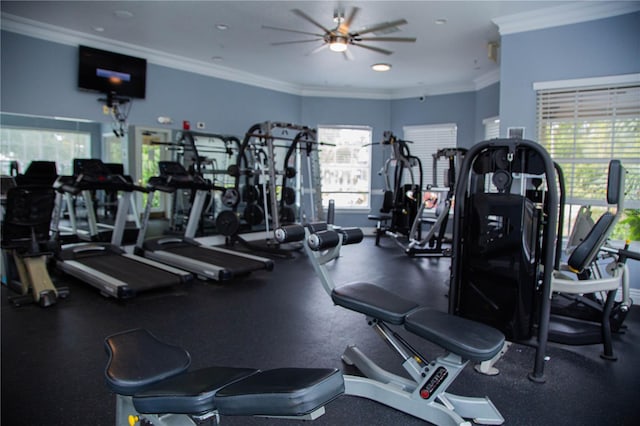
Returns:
point(99, 232)
point(402, 197)
point(594, 313)
point(505, 228)
point(153, 386)
point(266, 201)
point(26, 241)
point(209, 263)
point(107, 266)
point(507, 244)
point(440, 200)
point(423, 394)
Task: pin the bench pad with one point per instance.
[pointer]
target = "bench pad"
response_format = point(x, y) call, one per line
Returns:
point(281, 392)
point(190, 393)
point(373, 301)
point(469, 339)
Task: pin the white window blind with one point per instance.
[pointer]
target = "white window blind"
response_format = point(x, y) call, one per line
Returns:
point(427, 140)
point(491, 128)
point(583, 128)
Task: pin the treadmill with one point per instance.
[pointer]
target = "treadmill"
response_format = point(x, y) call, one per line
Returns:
point(208, 263)
point(107, 266)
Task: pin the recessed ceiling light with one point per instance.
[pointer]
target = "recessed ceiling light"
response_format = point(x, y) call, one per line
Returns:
point(440, 21)
point(381, 67)
point(222, 27)
point(124, 14)
point(98, 29)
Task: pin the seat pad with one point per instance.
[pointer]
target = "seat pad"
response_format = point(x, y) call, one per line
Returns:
point(137, 360)
point(469, 339)
point(190, 393)
point(281, 392)
point(373, 301)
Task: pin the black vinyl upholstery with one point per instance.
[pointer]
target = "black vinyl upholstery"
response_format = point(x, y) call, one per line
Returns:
point(587, 250)
point(374, 301)
point(469, 339)
point(137, 360)
point(190, 393)
point(155, 375)
point(281, 392)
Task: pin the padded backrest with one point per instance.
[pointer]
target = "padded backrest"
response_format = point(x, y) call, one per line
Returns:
point(587, 250)
point(387, 202)
point(615, 183)
point(27, 208)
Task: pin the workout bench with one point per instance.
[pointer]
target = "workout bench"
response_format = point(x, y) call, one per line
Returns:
point(153, 386)
point(424, 395)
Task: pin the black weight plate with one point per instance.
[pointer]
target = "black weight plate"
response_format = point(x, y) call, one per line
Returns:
point(253, 214)
point(250, 194)
point(288, 195)
point(287, 215)
point(227, 223)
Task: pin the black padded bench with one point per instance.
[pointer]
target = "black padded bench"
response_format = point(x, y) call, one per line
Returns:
point(151, 377)
point(469, 339)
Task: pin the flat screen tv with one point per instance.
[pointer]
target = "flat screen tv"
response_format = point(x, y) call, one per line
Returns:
point(112, 73)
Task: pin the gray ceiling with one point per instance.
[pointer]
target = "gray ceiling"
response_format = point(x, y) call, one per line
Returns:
point(445, 58)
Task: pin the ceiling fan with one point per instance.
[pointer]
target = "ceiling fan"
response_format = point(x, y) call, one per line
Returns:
point(339, 38)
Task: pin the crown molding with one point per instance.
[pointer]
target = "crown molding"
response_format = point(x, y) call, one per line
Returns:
point(581, 11)
point(487, 79)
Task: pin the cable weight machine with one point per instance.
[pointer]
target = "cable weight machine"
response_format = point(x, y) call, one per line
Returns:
point(271, 191)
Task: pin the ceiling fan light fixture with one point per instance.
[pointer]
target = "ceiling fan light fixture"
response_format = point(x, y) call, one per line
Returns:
point(381, 67)
point(338, 44)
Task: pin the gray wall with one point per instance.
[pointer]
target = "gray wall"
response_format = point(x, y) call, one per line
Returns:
point(40, 78)
point(590, 49)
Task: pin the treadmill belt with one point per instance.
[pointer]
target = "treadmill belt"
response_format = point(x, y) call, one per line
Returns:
point(237, 264)
point(139, 276)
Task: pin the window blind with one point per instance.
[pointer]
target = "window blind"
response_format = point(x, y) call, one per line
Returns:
point(491, 128)
point(427, 140)
point(583, 128)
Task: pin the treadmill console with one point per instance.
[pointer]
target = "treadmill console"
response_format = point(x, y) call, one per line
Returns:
point(174, 174)
point(91, 170)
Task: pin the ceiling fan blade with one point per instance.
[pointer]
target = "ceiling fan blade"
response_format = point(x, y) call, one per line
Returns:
point(318, 49)
point(404, 39)
point(309, 19)
point(346, 24)
point(375, 49)
point(267, 27)
point(280, 43)
point(381, 27)
point(348, 55)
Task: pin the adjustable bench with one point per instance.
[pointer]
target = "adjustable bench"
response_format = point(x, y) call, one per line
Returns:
point(152, 383)
point(424, 395)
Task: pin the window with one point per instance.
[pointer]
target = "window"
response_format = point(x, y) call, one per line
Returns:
point(345, 166)
point(491, 128)
point(25, 145)
point(585, 127)
point(426, 141)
